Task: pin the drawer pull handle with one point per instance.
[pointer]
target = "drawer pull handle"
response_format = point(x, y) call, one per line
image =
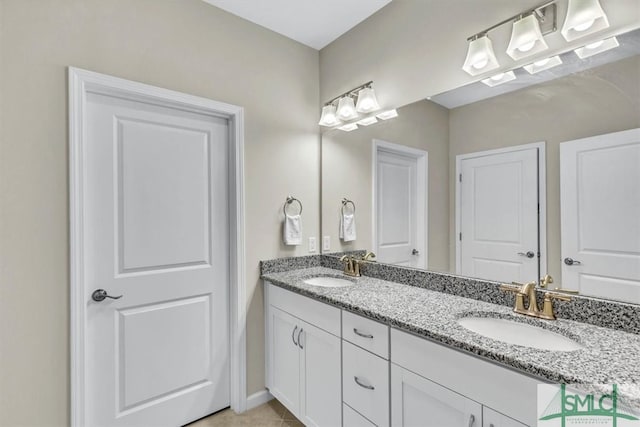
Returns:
point(472, 420)
point(293, 336)
point(299, 340)
point(357, 332)
point(368, 387)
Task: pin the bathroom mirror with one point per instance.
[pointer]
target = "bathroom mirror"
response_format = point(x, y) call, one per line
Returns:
point(469, 181)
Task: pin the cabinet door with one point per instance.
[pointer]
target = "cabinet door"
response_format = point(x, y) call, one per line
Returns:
point(491, 418)
point(416, 401)
point(321, 397)
point(284, 359)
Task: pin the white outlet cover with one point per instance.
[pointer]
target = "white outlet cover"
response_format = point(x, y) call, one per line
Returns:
point(312, 244)
point(326, 243)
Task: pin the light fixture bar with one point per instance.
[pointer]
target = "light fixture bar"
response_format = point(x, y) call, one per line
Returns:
point(537, 10)
point(352, 92)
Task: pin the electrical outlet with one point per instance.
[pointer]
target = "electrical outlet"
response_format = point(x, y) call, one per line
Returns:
point(326, 243)
point(312, 244)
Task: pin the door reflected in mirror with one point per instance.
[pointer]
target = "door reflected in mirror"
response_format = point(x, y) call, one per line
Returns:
point(501, 202)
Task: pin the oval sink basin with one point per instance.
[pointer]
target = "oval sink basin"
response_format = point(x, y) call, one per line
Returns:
point(519, 333)
point(328, 282)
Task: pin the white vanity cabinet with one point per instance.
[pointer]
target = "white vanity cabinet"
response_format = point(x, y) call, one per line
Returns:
point(416, 401)
point(426, 376)
point(303, 356)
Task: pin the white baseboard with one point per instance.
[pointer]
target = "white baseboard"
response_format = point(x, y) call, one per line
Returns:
point(258, 398)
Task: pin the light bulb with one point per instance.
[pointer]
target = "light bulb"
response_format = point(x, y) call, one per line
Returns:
point(527, 46)
point(595, 45)
point(584, 26)
point(480, 64)
point(542, 62)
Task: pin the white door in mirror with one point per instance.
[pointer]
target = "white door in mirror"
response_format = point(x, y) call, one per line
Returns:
point(600, 215)
point(498, 211)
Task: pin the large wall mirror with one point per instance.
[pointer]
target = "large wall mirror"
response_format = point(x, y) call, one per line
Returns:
point(537, 176)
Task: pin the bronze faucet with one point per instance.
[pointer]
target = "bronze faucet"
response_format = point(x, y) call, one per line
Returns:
point(529, 290)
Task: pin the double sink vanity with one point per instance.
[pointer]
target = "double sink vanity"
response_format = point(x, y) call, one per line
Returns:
point(405, 347)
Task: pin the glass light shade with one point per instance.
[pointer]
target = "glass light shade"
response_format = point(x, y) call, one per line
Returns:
point(386, 115)
point(367, 121)
point(543, 64)
point(349, 127)
point(526, 38)
point(328, 117)
point(480, 57)
point(597, 47)
point(584, 17)
point(499, 79)
point(346, 109)
point(367, 101)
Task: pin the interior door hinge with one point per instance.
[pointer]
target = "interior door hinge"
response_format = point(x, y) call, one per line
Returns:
point(460, 177)
point(460, 237)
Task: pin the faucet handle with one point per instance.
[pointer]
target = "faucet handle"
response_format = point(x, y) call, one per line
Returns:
point(546, 281)
point(547, 308)
point(368, 255)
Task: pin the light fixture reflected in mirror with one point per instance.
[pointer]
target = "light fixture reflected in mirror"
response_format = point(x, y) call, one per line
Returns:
point(386, 115)
point(499, 78)
point(584, 17)
point(348, 127)
point(480, 56)
point(329, 117)
point(367, 121)
point(543, 64)
point(526, 38)
point(597, 47)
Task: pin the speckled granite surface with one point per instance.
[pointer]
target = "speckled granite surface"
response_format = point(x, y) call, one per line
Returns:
point(596, 311)
point(610, 356)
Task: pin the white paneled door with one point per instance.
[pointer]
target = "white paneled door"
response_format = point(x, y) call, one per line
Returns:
point(157, 239)
point(400, 205)
point(600, 215)
point(498, 215)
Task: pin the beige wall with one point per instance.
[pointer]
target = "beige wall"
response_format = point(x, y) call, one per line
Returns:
point(412, 49)
point(598, 101)
point(184, 45)
point(347, 172)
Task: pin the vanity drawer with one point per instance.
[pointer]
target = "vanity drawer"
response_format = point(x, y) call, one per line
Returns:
point(317, 313)
point(366, 333)
point(351, 418)
point(365, 383)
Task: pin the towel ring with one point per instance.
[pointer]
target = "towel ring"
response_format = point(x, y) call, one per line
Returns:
point(345, 202)
point(288, 202)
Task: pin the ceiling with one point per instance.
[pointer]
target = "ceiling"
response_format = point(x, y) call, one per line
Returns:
point(315, 23)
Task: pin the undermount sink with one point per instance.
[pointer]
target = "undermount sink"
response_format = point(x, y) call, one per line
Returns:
point(328, 281)
point(519, 333)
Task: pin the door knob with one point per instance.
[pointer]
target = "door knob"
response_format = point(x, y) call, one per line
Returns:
point(528, 254)
point(570, 261)
point(100, 295)
point(415, 252)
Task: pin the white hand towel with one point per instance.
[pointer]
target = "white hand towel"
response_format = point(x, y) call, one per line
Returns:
point(347, 230)
point(292, 230)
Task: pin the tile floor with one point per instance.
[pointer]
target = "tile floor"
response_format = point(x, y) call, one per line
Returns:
point(271, 414)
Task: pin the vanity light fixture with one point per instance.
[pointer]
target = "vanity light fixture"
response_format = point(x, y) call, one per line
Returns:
point(584, 17)
point(597, 47)
point(367, 121)
point(343, 108)
point(386, 115)
point(499, 78)
point(480, 56)
point(543, 64)
point(328, 117)
point(526, 38)
point(346, 109)
point(367, 102)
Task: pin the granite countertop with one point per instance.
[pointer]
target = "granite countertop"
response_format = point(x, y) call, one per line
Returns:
point(609, 356)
